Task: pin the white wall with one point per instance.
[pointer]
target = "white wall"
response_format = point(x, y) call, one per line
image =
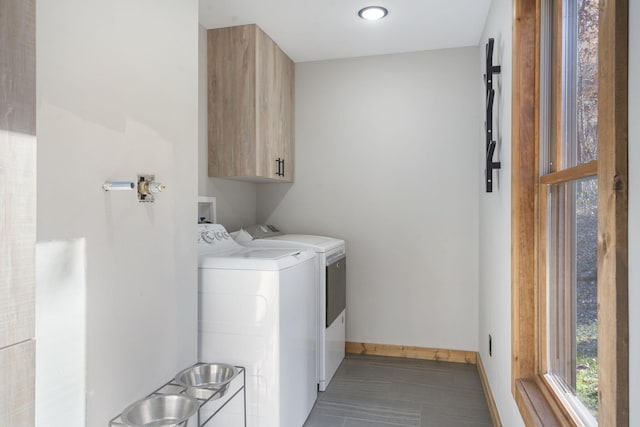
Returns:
point(236, 200)
point(117, 96)
point(386, 158)
point(495, 221)
point(634, 212)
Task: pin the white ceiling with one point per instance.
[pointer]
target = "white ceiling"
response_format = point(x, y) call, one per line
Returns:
point(311, 30)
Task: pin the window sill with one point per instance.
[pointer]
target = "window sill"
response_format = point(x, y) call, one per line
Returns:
point(537, 407)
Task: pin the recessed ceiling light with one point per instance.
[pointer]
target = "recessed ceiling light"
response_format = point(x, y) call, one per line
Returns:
point(372, 13)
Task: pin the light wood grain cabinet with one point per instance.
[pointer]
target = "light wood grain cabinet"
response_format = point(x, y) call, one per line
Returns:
point(17, 212)
point(251, 106)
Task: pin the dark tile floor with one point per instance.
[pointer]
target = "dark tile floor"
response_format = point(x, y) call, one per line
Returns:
point(375, 391)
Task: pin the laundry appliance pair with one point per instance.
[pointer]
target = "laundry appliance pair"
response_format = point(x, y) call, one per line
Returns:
point(275, 305)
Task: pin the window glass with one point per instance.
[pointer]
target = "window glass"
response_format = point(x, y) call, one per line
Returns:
point(572, 260)
point(587, 81)
point(570, 59)
point(586, 333)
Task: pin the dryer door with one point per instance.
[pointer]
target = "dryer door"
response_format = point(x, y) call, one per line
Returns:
point(336, 289)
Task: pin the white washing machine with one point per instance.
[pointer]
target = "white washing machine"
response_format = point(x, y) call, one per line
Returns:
point(253, 312)
point(331, 288)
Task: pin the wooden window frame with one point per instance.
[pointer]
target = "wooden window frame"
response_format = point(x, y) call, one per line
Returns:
point(538, 403)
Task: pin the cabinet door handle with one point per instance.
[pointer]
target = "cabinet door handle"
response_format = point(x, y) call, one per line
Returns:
point(278, 166)
point(282, 167)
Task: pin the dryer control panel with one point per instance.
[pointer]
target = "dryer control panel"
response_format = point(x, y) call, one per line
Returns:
point(262, 231)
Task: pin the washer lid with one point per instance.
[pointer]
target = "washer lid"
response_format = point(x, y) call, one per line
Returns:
point(254, 259)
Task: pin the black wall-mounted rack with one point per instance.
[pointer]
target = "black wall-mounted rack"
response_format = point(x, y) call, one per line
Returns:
point(488, 124)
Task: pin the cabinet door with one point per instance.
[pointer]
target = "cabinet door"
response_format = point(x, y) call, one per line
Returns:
point(285, 72)
point(269, 152)
point(17, 171)
point(232, 94)
point(275, 110)
point(17, 211)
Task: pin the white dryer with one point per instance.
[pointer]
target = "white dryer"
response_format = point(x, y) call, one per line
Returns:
point(331, 288)
point(253, 312)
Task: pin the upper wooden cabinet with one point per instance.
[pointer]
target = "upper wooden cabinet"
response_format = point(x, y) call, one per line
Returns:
point(251, 106)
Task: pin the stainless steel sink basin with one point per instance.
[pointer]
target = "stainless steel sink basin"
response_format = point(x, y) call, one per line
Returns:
point(164, 410)
point(207, 380)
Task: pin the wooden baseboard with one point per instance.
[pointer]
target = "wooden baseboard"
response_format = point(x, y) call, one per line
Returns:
point(409, 352)
point(493, 409)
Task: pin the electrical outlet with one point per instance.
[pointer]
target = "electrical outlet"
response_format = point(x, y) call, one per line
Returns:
point(490, 346)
